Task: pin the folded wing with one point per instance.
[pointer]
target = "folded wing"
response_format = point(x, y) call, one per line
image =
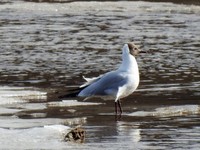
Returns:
point(108, 84)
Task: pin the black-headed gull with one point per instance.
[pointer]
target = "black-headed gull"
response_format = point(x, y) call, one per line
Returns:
point(117, 84)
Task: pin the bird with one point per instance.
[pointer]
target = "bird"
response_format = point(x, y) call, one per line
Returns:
point(116, 84)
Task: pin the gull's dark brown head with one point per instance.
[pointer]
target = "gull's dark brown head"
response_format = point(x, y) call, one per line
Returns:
point(133, 49)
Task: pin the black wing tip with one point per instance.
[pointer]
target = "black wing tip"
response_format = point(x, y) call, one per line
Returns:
point(73, 93)
point(70, 95)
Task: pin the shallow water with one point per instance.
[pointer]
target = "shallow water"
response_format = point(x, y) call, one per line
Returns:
point(47, 47)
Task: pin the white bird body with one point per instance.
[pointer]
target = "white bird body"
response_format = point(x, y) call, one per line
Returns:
point(116, 84)
point(119, 83)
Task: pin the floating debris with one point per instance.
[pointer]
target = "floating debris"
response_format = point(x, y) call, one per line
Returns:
point(75, 135)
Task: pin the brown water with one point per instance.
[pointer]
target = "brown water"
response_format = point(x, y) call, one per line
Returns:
point(47, 47)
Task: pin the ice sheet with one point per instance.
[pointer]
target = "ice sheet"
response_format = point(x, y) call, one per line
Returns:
point(170, 111)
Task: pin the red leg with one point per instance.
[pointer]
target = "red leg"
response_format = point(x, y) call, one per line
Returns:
point(115, 108)
point(119, 105)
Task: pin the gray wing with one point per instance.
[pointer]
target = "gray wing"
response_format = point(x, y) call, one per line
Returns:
point(89, 81)
point(108, 84)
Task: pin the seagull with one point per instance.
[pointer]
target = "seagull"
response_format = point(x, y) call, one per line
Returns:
point(117, 84)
